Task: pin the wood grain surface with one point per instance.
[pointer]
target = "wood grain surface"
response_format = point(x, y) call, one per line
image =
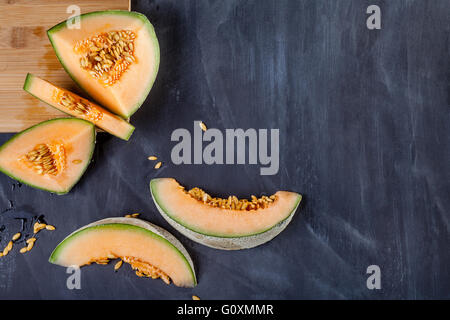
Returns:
point(24, 47)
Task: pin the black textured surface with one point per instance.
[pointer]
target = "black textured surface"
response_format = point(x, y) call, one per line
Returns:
point(364, 128)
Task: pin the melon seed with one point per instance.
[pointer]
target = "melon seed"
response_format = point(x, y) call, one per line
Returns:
point(38, 227)
point(202, 126)
point(118, 265)
point(16, 236)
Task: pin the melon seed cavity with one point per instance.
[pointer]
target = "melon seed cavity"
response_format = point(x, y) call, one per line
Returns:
point(46, 159)
point(232, 202)
point(79, 106)
point(107, 55)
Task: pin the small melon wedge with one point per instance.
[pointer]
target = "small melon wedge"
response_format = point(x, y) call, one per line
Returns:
point(113, 56)
point(77, 106)
point(150, 250)
point(223, 225)
point(52, 155)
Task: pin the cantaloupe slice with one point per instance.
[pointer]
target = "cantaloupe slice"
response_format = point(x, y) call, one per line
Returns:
point(228, 224)
point(113, 56)
point(151, 250)
point(77, 106)
point(52, 155)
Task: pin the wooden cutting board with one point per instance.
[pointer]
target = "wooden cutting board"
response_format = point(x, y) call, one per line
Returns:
point(24, 47)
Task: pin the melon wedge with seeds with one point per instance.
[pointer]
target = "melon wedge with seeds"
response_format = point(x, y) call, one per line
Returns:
point(113, 56)
point(224, 225)
point(151, 250)
point(52, 155)
point(77, 106)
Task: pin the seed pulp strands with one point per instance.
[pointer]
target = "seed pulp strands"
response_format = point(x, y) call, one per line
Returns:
point(46, 158)
point(232, 202)
point(107, 55)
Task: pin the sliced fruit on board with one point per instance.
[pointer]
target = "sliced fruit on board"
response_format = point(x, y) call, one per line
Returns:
point(149, 249)
point(228, 224)
point(113, 56)
point(77, 106)
point(52, 155)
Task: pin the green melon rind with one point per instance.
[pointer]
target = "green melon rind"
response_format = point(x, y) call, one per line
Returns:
point(137, 15)
point(223, 242)
point(46, 123)
point(154, 231)
point(26, 87)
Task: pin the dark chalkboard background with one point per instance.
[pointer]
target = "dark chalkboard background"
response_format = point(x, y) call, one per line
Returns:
point(364, 128)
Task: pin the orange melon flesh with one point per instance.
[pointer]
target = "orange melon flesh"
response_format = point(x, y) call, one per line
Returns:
point(218, 222)
point(127, 95)
point(124, 240)
point(75, 135)
point(50, 94)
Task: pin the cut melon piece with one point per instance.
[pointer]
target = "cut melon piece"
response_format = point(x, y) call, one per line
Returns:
point(228, 224)
point(77, 106)
point(113, 56)
point(52, 155)
point(149, 249)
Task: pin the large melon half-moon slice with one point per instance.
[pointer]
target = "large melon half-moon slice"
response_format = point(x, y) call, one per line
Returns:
point(113, 56)
point(228, 224)
point(52, 155)
point(151, 250)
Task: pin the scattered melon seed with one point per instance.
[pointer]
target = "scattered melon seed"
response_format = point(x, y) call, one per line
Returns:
point(23, 250)
point(77, 161)
point(9, 246)
point(158, 165)
point(195, 298)
point(31, 240)
point(152, 158)
point(16, 236)
point(134, 215)
point(38, 227)
point(30, 246)
point(118, 265)
point(202, 125)
point(50, 227)
point(1, 254)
